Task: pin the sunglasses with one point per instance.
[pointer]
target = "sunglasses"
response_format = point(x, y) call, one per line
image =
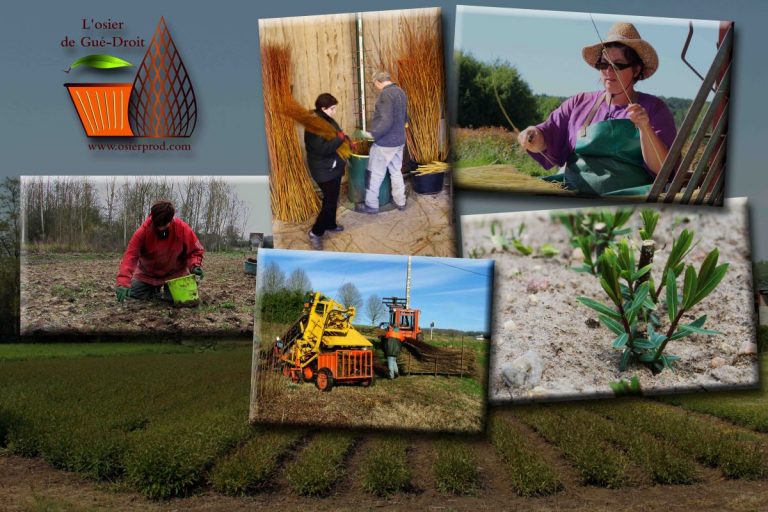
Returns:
point(603, 65)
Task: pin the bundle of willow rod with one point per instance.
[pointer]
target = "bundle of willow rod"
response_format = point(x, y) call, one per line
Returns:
point(506, 178)
point(291, 191)
point(314, 124)
point(420, 358)
point(416, 62)
point(431, 168)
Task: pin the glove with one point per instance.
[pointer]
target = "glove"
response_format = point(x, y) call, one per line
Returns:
point(198, 271)
point(122, 292)
point(340, 135)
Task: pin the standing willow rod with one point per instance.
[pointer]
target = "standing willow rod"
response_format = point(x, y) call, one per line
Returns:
point(416, 60)
point(291, 190)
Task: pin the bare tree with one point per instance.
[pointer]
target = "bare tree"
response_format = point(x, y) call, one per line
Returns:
point(72, 213)
point(299, 281)
point(374, 308)
point(273, 278)
point(349, 295)
point(110, 199)
point(10, 226)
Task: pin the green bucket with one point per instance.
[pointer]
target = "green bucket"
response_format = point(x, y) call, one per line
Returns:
point(184, 289)
point(356, 189)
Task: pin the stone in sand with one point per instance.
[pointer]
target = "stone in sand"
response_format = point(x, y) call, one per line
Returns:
point(523, 372)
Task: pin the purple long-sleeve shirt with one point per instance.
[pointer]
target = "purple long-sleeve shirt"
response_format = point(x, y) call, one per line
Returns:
point(563, 125)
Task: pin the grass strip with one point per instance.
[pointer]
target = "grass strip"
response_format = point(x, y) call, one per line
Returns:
point(738, 454)
point(455, 467)
point(487, 146)
point(27, 351)
point(320, 465)
point(530, 474)
point(598, 462)
point(385, 467)
point(752, 414)
point(250, 468)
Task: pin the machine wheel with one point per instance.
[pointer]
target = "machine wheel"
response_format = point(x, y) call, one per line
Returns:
point(309, 374)
point(297, 377)
point(420, 337)
point(366, 383)
point(324, 380)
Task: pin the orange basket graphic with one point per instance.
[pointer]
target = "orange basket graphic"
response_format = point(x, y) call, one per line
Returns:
point(103, 108)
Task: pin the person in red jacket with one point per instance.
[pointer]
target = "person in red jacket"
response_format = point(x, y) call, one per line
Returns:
point(163, 248)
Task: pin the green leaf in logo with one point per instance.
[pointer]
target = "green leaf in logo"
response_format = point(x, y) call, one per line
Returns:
point(100, 62)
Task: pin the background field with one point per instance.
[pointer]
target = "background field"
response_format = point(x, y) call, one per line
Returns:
point(149, 425)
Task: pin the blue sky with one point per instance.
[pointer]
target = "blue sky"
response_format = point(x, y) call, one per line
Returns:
point(452, 292)
point(545, 47)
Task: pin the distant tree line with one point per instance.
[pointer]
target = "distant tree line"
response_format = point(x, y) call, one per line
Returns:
point(72, 213)
point(282, 297)
point(10, 229)
point(478, 106)
point(479, 82)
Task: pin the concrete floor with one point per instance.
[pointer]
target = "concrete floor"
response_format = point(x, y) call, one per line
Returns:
point(423, 229)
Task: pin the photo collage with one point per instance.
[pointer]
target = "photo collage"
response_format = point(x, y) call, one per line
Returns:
point(491, 263)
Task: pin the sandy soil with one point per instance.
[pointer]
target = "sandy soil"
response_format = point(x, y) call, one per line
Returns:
point(535, 308)
point(73, 295)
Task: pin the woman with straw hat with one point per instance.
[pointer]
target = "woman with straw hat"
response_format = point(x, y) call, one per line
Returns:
point(612, 141)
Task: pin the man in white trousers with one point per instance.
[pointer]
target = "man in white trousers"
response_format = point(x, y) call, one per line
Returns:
point(386, 155)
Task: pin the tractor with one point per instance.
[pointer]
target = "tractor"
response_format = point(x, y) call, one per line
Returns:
point(403, 321)
point(322, 346)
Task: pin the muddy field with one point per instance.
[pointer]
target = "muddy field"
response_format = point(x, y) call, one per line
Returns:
point(74, 295)
point(535, 309)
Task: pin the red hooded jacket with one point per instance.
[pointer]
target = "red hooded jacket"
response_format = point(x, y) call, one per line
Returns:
point(154, 261)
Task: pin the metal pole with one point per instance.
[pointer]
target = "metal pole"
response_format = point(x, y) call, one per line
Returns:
point(361, 68)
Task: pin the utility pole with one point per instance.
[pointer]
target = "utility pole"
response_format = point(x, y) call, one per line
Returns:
point(408, 285)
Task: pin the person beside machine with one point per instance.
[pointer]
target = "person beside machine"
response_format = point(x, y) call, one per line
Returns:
point(391, 348)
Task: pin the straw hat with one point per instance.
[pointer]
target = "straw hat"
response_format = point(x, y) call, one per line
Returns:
point(626, 34)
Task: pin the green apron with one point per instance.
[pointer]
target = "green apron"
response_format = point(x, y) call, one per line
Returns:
point(607, 160)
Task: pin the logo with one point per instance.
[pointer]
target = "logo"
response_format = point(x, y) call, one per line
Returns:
point(160, 103)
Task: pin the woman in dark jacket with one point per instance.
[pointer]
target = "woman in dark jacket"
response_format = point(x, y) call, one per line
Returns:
point(327, 168)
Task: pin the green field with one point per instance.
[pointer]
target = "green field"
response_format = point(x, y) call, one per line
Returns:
point(25, 351)
point(172, 424)
point(490, 146)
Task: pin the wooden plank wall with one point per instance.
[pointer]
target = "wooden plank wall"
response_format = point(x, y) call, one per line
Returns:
point(381, 31)
point(323, 56)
